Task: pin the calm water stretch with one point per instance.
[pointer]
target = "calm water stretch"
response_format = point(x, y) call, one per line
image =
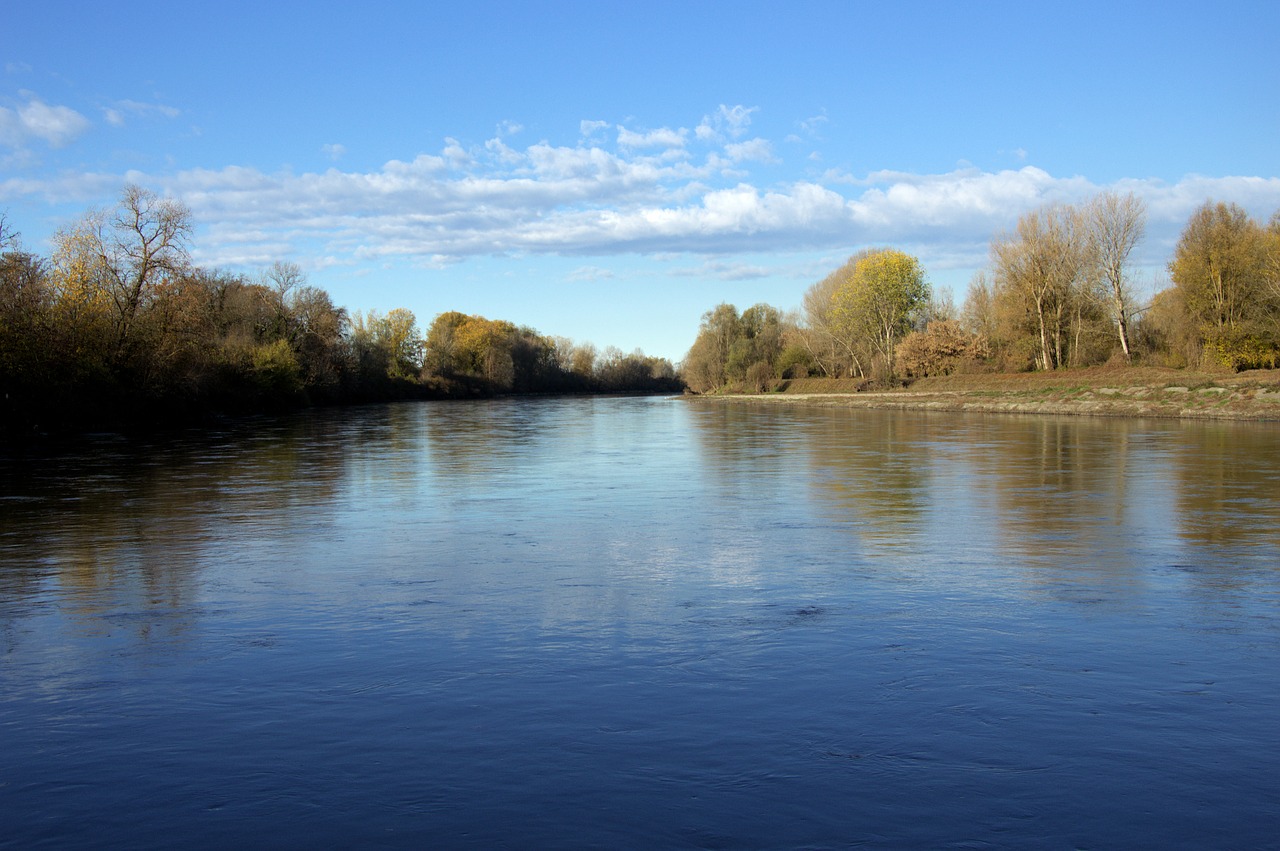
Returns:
point(640, 623)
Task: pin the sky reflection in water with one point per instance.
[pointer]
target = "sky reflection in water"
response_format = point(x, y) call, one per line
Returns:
point(639, 622)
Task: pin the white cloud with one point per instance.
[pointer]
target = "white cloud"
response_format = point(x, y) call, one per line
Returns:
point(754, 150)
point(731, 121)
point(455, 154)
point(504, 153)
point(333, 151)
point(813, 126)
point(726, 271)
point(645, 197)
point(57, 126)
point(664, 137)
point(140, 108)
point(116, 114)
point(590, 201)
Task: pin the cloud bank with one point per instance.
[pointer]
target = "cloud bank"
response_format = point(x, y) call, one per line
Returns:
point(617, 191)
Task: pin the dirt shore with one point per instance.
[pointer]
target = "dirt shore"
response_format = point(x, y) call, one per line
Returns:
point(1098, 392)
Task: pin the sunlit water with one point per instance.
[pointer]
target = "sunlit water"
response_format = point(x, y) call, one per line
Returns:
point(638, 623)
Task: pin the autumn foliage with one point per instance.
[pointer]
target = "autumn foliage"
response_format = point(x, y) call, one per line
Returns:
point(1059, 293)
point(118, 327)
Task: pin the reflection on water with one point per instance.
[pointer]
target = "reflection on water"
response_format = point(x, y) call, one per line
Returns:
point(639, 622)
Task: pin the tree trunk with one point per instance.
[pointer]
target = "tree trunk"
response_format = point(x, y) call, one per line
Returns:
point(1122, 326)
point(1044, 337)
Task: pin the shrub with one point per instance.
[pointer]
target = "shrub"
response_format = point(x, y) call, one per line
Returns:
point(276, 371)
point(759, 376)
point(939, 350)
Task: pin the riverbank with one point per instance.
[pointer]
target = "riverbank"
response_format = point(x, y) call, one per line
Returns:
point(1098, 391)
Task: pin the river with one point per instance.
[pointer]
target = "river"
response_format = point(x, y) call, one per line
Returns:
point(641, 623)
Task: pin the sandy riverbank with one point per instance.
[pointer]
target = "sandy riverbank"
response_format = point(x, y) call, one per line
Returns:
point(1102, 392)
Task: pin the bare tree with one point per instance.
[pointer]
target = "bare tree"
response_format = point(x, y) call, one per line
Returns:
point(131, 250)
point(281, 284)
point(978, 316)
point(284, 278)
point(1116, 224)
point(1044, 263)
point(1271, 264)
point(8, 236)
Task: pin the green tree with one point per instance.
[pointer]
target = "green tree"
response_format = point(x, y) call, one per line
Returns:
point(276, 371)
point(756, 337)
point(705, 367)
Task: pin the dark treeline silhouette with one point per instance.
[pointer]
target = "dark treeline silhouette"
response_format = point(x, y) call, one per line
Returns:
point(475, 354)
point(118, 328)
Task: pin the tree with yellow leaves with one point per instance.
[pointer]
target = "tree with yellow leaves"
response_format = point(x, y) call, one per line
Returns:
point(122, 256)
point(880, 301)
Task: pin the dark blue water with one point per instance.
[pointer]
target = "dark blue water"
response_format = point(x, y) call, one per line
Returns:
point(638, 623)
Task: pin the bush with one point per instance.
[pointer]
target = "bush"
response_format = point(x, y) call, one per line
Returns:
point(939, 350)
point(759, 376)
point(795, 362)
point(276, 371)
point(1238, 350)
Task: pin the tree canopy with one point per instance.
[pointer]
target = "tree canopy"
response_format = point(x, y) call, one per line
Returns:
point(1059, 292)
point(118, 325)
point(881, 301)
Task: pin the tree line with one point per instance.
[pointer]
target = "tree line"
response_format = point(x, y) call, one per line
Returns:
point(1059, 291)
point(117, 325)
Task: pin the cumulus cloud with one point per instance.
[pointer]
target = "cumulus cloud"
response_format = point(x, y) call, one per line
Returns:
point(593, 202)
point(333, 151)
point(641, 193)
point(56, 126)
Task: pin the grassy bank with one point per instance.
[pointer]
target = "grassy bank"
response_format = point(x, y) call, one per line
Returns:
point(1098, 391)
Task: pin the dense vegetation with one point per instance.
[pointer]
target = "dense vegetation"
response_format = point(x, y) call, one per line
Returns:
point(1058, 293)
point(117, 326)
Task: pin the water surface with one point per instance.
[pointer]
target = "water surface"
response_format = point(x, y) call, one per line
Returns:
point(644, 623)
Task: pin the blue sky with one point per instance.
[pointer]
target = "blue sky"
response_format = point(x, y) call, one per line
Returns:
point(609, 171)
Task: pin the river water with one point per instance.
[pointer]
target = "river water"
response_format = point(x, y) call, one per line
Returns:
point(640, 623)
